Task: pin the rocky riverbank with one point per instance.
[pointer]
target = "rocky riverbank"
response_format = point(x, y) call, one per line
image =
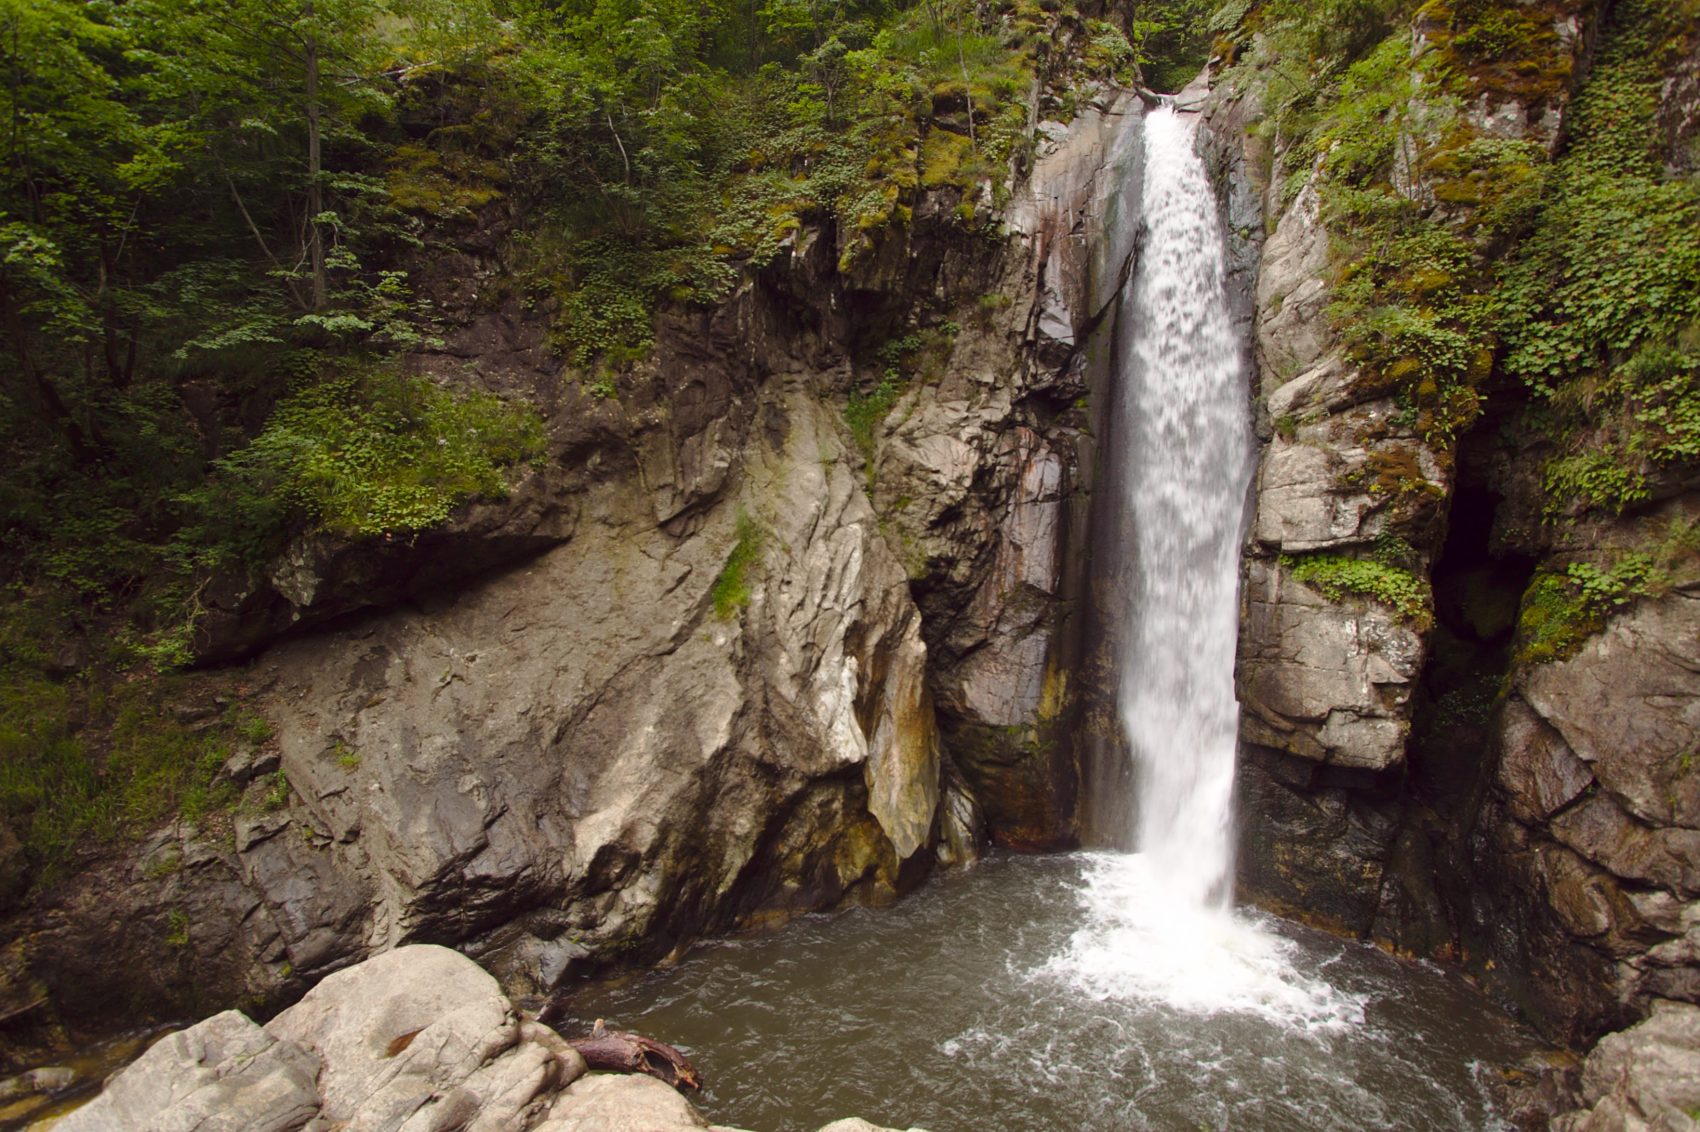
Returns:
point(419, 1039)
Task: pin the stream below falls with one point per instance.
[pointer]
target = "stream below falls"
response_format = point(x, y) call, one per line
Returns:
point(985, 1003)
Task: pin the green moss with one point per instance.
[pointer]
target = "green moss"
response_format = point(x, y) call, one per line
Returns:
point(91, 760)
point(442, 184)
point(1553, 622)
point(943, 155)
point(1336, 576)
point(731, 590)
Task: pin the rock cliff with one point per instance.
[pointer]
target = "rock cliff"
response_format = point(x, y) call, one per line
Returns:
point(1418, 767)
point(725, 657)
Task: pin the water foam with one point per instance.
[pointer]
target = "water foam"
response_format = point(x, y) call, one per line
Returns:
point(1139, 942)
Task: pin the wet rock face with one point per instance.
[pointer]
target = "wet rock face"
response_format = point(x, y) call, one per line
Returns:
point(980, 478)
point(1600, 821)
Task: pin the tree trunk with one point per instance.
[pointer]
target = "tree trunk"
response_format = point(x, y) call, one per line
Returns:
point(621, 1052)
point(315, 188)
point(39, 387)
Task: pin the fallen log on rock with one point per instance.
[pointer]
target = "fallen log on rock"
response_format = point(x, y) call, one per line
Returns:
point(620, 1052)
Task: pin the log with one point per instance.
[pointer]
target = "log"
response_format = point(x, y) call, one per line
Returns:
point(621, 1052)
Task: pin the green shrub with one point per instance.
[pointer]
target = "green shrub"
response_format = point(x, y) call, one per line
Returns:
point(731, 590)
point(89, 761)
point(372, 453)
point(1335, 576)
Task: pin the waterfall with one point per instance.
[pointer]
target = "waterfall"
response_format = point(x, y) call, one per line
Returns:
point(1182, 406)
point(1160, 922)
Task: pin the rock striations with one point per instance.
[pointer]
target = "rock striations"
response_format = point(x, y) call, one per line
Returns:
point(722, 659)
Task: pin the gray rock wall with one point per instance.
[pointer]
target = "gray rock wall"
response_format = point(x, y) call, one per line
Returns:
point(1413, 778)
point(712, 665)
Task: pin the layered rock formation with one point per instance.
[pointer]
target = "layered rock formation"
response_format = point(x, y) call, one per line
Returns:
point(720, 660)
point(1421, 776)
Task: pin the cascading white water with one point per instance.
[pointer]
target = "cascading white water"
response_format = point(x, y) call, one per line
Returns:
point(1160, 923)
point(1183, 408)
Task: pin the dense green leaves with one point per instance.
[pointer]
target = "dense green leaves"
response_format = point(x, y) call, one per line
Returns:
point(1601, 305)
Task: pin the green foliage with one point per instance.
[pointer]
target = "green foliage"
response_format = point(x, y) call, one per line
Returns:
point(346, 757)
point(864, 412)
point(1335, 576)
point(177, 928)
point(1600, 310)
point(277, 793)
point(1563, 608)
point(92, 759)
point(1589, 309)
point(251, 727)
point(371, 453)
point(920, 354)
point(731, 590)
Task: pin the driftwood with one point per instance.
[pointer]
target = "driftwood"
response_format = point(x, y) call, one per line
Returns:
point(621, 1052)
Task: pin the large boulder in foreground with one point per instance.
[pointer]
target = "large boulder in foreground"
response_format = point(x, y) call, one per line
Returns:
point(419, 1039)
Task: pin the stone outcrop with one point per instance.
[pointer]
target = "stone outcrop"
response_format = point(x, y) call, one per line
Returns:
point(1421, 779)
point(980, 471)
point(717, 662)
point(1331, 686)
point(1593, 831)
point(415, 1040)
point(1645, 1079)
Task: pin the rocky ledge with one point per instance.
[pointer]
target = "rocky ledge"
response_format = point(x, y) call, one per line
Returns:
point(419, 1039)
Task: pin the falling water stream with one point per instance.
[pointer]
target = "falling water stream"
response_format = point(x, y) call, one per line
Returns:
point(1104, 991)
point(1160, 921)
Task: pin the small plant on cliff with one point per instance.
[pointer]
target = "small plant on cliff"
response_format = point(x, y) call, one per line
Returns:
point(731, 590)
point(864, 412)
point(1335, 576)
point(346, 757)
point(177, 928)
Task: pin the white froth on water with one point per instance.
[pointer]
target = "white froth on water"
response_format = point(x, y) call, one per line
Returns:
point(1139, 942)
point(1160, 923)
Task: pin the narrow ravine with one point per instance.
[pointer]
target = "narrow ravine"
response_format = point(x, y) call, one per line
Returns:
point(1105, 990)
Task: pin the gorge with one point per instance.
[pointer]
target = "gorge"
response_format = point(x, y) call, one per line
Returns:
point(823, 595)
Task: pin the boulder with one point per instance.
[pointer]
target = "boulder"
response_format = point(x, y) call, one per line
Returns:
point(226, 1074)
point(1643, 1079)
point(417, 1038)
point(605, 1102)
